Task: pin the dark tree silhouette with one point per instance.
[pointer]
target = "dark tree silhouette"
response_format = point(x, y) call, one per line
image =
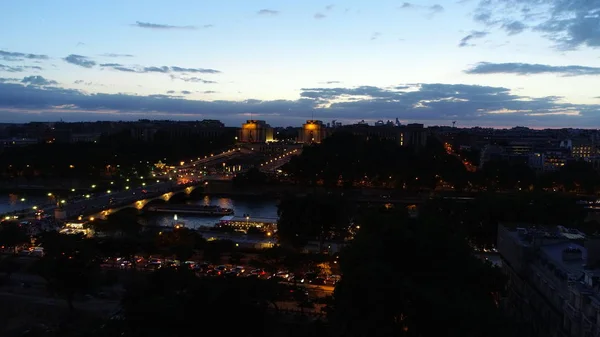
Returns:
point(407, 278)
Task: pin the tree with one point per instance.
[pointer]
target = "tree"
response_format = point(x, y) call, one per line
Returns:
point(173, 297)
point(313, 217)
point(214, 250)
point(9, 265)
point(402, 277)
point(69, 265)
point(181, 242)
point(13, 235)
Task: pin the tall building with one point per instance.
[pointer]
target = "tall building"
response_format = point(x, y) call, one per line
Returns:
point(312, 131)
point(415, 136)
point(256, 131)
point(553, 279)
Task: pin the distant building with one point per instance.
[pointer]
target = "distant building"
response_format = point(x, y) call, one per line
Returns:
point(256, 131)
point(312, 132)
point(553, 279)
point(415, 136)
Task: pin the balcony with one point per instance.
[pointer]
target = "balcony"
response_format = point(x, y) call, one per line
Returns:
point(570, 310)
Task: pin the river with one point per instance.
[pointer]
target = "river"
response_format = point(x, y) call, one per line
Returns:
point(253, 206)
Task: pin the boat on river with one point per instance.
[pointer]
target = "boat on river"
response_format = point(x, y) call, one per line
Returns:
point(207, 210)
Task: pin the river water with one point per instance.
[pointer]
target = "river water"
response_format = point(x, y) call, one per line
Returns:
point(253, 206)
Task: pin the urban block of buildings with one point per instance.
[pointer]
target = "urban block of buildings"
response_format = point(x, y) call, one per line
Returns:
point(554, 279)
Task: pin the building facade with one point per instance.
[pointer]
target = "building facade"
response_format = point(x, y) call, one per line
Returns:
point(553, 280)
point(255, 131)
point(312, 131)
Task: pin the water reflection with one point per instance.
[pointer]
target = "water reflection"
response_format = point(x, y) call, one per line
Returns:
point(256, 207)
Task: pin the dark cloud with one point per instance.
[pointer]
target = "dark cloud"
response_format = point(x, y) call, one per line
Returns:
point(427, 103)
point(79, 60)
point(209, 92)
point(17, 69)
point(320, 16)
point(16, 56)
point(194, 80)
point(570, 24)
point(185, 92)
point(434, 9)
point(530, 69)
point(329, 7)
point(465, 41)
point(375, 36)
point(160, 69)
point(159, 26)
point(267, 12)
point(514, 28)
point(116, 55)
point(331, 82)
point(37, 81)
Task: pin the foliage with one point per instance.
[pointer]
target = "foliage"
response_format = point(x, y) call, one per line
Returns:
point(347, 160)
point(69, 266)
point(478, 218)
point(252, 177)
point(183, 305)
point(13, 234)
point(408, 278)
point(181, 242)
point(312, 217)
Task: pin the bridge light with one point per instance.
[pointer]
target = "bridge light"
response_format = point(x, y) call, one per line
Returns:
point(91, 218)
point(72, 190)
point(143, 184)
point(49, 194)
point(35, 207)
point(22, 199)
point(63, 201)
point(126, 187)
point(108, 191)
point(141, 177)
point(87, 196)
point(112, 182)
point(93, 186)
point(127, 179)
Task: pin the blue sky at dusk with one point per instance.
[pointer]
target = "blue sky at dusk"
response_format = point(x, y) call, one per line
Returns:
point(489, 63)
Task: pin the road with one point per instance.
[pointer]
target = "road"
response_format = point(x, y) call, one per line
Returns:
point(276, 162)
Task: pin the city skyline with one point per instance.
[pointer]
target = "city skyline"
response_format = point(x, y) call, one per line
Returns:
point(489, 63)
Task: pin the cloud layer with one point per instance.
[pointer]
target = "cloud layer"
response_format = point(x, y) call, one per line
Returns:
point(18, 56)
point(530, 69)
point(32, 97)
point(474, 35)
point(159, 26)
point(79, 60)
point(569, 24)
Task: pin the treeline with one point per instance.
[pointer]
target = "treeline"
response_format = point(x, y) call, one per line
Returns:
point(110, 156)
point(345, 160)
point(320, 218)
